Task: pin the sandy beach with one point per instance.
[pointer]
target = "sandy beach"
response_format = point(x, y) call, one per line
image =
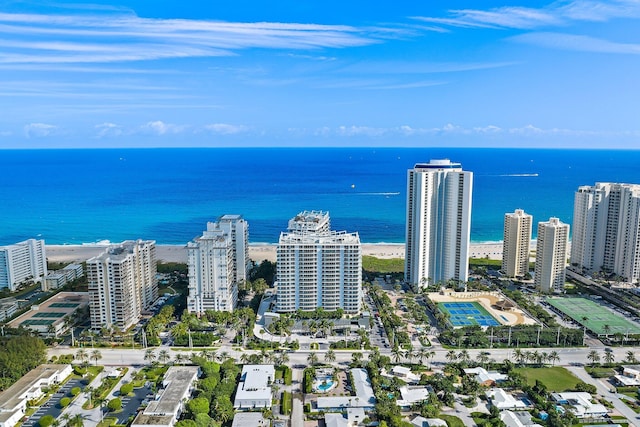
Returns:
point(257, 252)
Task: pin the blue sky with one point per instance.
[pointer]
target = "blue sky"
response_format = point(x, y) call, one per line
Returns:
point(311, 73)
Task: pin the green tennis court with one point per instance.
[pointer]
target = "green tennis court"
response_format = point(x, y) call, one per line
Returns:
point(64, 305)
point(49, 314)
point(38, 322)
point(597, 316)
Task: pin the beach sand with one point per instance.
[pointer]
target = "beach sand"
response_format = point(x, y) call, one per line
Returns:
point(257, 252)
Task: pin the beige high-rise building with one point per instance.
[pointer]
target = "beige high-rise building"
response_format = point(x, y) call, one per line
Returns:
point(218, 260)
point(438, 223)
point(551, 255)
point(122, 283)
point(606, 230)
point(515, 247)
point(318, 267)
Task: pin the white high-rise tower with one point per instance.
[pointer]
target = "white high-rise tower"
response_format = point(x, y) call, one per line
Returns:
point(318, 267)
point(218, 261)
point(606, 229)
point(438, 223)
point(517, 239)
point(122, 283)
point(551, 255)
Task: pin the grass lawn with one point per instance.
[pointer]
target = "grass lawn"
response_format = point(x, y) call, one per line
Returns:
point(556, 379)
point(451, 420)
point(380, 265)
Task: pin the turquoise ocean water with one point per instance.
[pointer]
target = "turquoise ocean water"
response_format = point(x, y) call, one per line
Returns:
point(78, 196)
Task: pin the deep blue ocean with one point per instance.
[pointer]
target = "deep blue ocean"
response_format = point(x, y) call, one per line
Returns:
point(77, 196)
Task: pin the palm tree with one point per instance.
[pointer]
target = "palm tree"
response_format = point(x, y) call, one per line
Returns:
point(96, 355)
point(312, 359)
point(483, 358)
point(245, 358)
point(356, 357)
point(606, 329)
point(451, 356)
point(163, 356)
point(594, 357)
point(397, 354)
point(464, 357)
point(608, 356)
point(181, 358)
point(82, 355)
point(330, 356)
point(584, 329)
point(631, 357)
point(150, 355)
point(518, 355)
point(554, 357)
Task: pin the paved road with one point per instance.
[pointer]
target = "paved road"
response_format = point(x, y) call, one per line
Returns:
point(130, 357)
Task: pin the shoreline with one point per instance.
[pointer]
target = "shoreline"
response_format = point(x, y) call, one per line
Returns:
point(257, 251)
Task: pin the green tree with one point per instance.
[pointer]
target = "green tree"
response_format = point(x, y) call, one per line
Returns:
point(312, 359)
point(223, 409)
point(64, 402)
point(75, 391)
point(46, 421)
point(114, 405)
point(330, 356)
point(199, 405)
point(125, 389)
point(95, 356)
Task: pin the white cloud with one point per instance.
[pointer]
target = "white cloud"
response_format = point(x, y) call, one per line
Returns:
point(114, 36)
point(451, 129)
point(39, 130)
point(109, 129)
point(554, 14)
point(160, 128)
point(6, 133)
point(576, 43)
point(225, 129)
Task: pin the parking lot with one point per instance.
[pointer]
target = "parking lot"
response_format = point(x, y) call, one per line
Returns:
point(52, 406)
point(130, 404)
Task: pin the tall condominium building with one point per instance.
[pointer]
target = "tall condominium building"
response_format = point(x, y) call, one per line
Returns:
point(515, 247)
point(122, 283)
point(318, 267)
point(551, 255)
point(21, 262)
point(606, 229)
point(218, 261)
point(438, 223)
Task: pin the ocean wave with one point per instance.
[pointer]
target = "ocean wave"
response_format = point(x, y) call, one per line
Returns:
point(520, 174)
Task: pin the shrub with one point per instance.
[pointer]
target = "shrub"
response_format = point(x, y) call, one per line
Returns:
point(75, 391)
point(79, 370)
point(126, 389)
point(46, 421)
point(114, 405)
point(64, 402)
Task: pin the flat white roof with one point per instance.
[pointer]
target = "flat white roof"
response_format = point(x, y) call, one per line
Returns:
point(254, 384)
point(362, 385)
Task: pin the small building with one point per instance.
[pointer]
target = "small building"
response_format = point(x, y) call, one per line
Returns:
point(581, 404)
point(404, 374)
point(503, 400)
point(517, 419)
point(486, 378)
point(630, 376)
point(364, 398)
point(13, 401)
point(412, 395)
point(254, 389)
point(178, 385)
point(428, 422)
point(253, 419)
point(352, 418)
point(8, 307)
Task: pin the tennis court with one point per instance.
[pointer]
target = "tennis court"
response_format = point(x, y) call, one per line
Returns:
point(64, 305)
point(38, 322)
point(49, 314)
point(596, 316)
point(467, 314)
